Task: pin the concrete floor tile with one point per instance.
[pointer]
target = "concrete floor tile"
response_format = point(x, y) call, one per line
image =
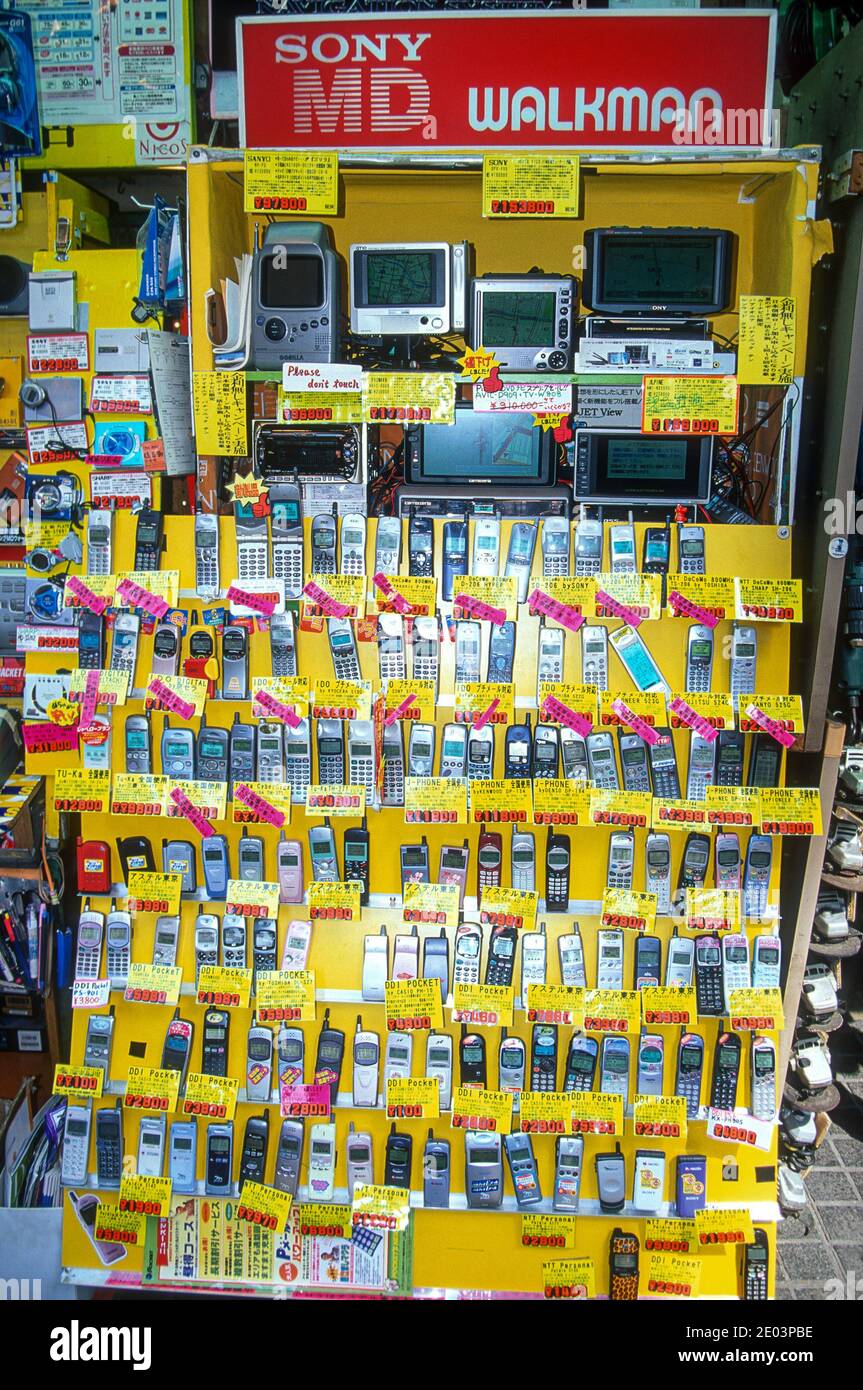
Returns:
point(809, 1261)
point(826, 1185)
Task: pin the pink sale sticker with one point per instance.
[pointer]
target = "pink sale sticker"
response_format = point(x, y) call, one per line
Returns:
point(259, 603)
point(552, 708)
point(608, 607)
point(687, 715)
point(85, 596)
point(684, 607)
point(564, 613)
point(168, 700)
point(262, 809)
point(192, 814)
point(635, 722)
point(269, 703)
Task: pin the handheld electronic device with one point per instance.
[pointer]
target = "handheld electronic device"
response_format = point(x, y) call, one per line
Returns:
point(522, 861)
point(485, 556)
point(99, 541)
point(570, 950)
point(455, 563)
point(467, 954)
point(489, 858)
point(649, 1064)
point(727, 862)
point(88, 952)
point(634, 763)
point(518, 751)
point(690, 1068)
point(765, 761)
point(601, 760)
point(166, 937)
point(366, 1061)
point(648, 1183)
point(471, 1060)
point(425, 649)
point(609, 959)
point(324, 543)
point(657, 856)
point(543, 1057)
point(581, 1061)
point(611, 1180)
point(708, 975)
point(421, 750)
point(388, 545)
point(398, 1057)
point(763, 1078)
point(680, 962)
point(621, 546)
point(766, 962)
point(594, 655)
point(483, 1165)
point(522, 1169)
point(588, 547)
point(436, 1172)
point(480, 753)
point(214, 1055)
point(736, 969)
point(453, 753)
point(207, 581)
point(97, 1045)
point(558, 854)
point(756, 875)
point(573, 753)
point(397, 1159)
point(690, 549)
point(406, 955)
point(290, 1056)
point(219, 1161)
point(546, 752)
point(701, 773)
point(241, 753)
point(501, 653)
point(76, 1143)
point(647, 961)
point(568, 1163)
point(183, 1155)
point(452, 867)
point(637, 660)
point(166, 650)
point(414, 863)
point(500, 963)
point(177, 750)
point(420, 545)
point(614, 1067)
point(259, 1061)
point(726, 1070)
point(118, 947)
point(151, 1146)
point(352, 544)
point(756, 1259)
point(554, 542)
point(621, 859)
point(744, 655)
point(467, 650)
point(289, 1156)
point(699, 658)
point(178, 857)
point(139, 756)
point(511, 1065)
point(328, 1061)
point(519, 558)
point(439, 1065)
point(375, 966)
point(177, 1047)
point(149, 539)
point(359, 1160)
point(663, 766)
point(212, 752)
point(124, 648)
point(214, 857)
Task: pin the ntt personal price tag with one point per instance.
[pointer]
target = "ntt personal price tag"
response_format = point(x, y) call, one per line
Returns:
point(344, 699)
point(713, 909)
point(435, 801)
point(671, 1276)
point(425, 398)
point(421, 708)
point(381, 1208)
point(325, 1219)
point(435, 904)
point(666, 1006)
point(548, 1230)
point(706, 713)
point(285, 996)
point(483, 702)
point(727, 1128)
point(734, 806)
point(82, 789)
point(623, 810)
point(679, 815)
point(557, 1004)
point(624, 907)
point(509, 907)
point(483, 1006)
point(546, 1112)
point(145, 1196)
point(669, 1235)
point(77, 1081)
point(561, 801)
point(301, 182)
point(756, 1010)
point(569, 1278)
point(501, 801)
point(659, 1117)
point(413, 1098)
point(717, 1228)
point(769, 600)
point(689, 405)
point(490, 599)
point(153, 892)
point(335, 902)
point(116, 1226)
point(791, 811)
point(332, 799)
point(701, 598)
point(261, 803)
point(213, 1097)
point(612, 1011)
point(264, 1206)
point(151, 1089)
point(635, 597)
point(594, 1112)
point(482, 1110)
point(153, 984)
point(530, 186)
point(413, 1005)
point(225, 987)
point(252, 899)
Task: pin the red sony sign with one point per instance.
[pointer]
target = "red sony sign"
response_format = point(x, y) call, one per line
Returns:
point(602, 80)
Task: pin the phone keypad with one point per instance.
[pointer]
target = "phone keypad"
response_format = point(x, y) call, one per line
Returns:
point(557, 891)
point(698, 677)
point(585, 568)
point(499, 972)
point(709, 993)
point(723, 1092)
point(346, 666)
point(697, 784)
point(353, 562)
point(466, 971)
point(666, 783)
point(689, 1086)
point(87, 963)
point(555, 566)
point(635, 779)
point(420, 562)
point(284, 658)
point(117, 966)
point(362, 774)
point(620, 876)
point(392, 666)
point(543, 1075)
point(394, 782)
point(323, 562)
point(331, 770)
point(252, 561)
point(425, 668)
point(98, 559)
point(109, 1162)
point(299, 777)
point(206, 571)
point(729, 774)
point(288, 565)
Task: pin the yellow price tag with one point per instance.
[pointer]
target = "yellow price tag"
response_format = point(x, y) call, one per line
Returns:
point(225, 987)
point(264, 1206)
point(82, 789)
point(561, 801)
point(342, 699)
point(557, 1004)
point(621, 810)
point(112, 689)
point(713, 909)
point(569, 1278)
point(292, 691)
point(332, 799)
point(509, 907)
point(485, 589)
point(151, 1090)
point(530, 186)
point(791, 811)
point(252, 899)
point(679, 815)
point(317, 407)
point(668, 1006)
point(694, 596)
point(551, 1230)
point(734, 806)
point(577, 592)
point(114, 1226)
point(580, 699)
point(335, 902)
point(689, 405)
point(138, 794)
point(165, 584)
point(184, 688)
point(769, 600)
point(285, 996)
point(153, 984)
point(786, 711)
point(219, 406)
point(612, 1011)
point(301, 182)
point(424, 398)
point(767, 339)
point(85, 1082)
point(213, 1097)
point(646, 705)
point(637, 593)
point(154, 892)
point(624, 907)
point(671, 1276)
point(473, 1108)
point(669, 1236)
point(545, 1112)
point(501, 801)
point(718, 1227)
point(144, 1195)
point(594, 1112)
point(484, 702)
point(413, 1098)
point(381, 1208)
point(210, 798)
point(418, 591)
point(261, 803)
point(325, 1219)
point(756, 1010)
point(413, 1005)
point(435, 801)
point(659, 1117)
point(421, 708)
point(715, 707)
point(436, 904)
point(483, 1006)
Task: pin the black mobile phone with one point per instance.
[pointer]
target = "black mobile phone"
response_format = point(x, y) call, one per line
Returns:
point(149, 535)
point(356, 858)
point(256, 1138)
point(328, 1062)
point(214, 1057)
point(557, 861)
point(765, 761)
point(471, 1059)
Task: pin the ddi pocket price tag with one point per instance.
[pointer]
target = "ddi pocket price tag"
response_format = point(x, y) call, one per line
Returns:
point(151, 1089)
point(225, 987)
point(485, 1110)
point(483, 1006)
point(548, 1230)
point(77, 1081)
point(81, 789)
point(152, 892)
point(668, 1006)
point(671, 1276)
point(530, 185)
point(335, 902)
point(482, 702)
point(426, 398)
point(330, 799)
point(548, 1112)
point(756, 1010)
point(285, 996)
point(214, 1097)
point(435, 801)
point(768, 600)
point(153, 984)
point(145, 1196)
point(612, 1011)
point(501, 801)
point(630, 810)
point(689, 405)
point(413, 1098)
point(508, 907)
point(252, 899)
point(433, 903)
point(717, 1228)
point(342, 699)
point(302, 182)
point(593, 1112)
point(138, 794)
point(560, 801)
point(554, 1004)
point(381, 1208)
point(669, 1235)
point(659, 1117)
point(734, 807)
point(713, 909)
point(264, 1206)
point(623, 907)
point(791, 811)
point(413, 1005)
point(116, 1226)
point(569, 1278)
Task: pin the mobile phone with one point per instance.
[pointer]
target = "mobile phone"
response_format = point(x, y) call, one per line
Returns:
point(690, 1068)
point(439, 1065)
point(501, 956)
point(452, 867)
point(480, 753)
point(453, 753)
point(649, 1066)
point(554, 542)
point(264, 943)
point(518, 751)
point(558, 854)
point(573, 753)
point(634, 762)
point(99, 541)
point(420, 545)
point(406, 955)
point(233, 941)
point(366, 1062)
point(766, 962)
point(648, 1184)
point(736, 969)
point(421, 749)
point(483, 1170)
point(212, 752)
point(328, 1061)
point(623, 1266)
point(216, 865)
point(388, 545)
point(149, 539)
point(611, 1178)
point(166, 938)
point(206, 942)
point(331, 751)
point(323, 853)
point(397, 1159)
point(436, 961)
point(663, 766)
point(183, 1155)
point(726, 1071)
point(88, 954)
point(471, 1060)
point(177, 750)
point(594, 656)
point(522, 861)
point(701, 772)
point(699, 658)
point(621, 543)
point(588, 547)
point(680, 962)
point(614, 1067)
point(289, 1156)
point(343, 649)
point(489, 858)
point(609, 959)
point(522, 1169)
point(297, 754)
point(259, 1061)
point(709, 992)
point(219, 1162)
point(289, 870)
point(177, 1047)
point(241, 753)
point(283, 645)
point(252, 543)
point(486, 546)
point(534, 959)
point(581, 1061)
point(235, 663)
point(762, 1072)
point(601, 760)
point(546, 751)
point(207, 581)
point(151, 1146)
point(178, 857)
point(744, 655)
point(756, 1258)
point(501, 653)
point(727, 862)
point(568, 1163)
point(454, 556)
point(118, 947)
point(621, 859)
point(398, 1057)
point(323, 543)
point(656, 552)
point(97, 1045)
point(693, 866)
point(519, 558)
point(511, 1064)
point(135, 852)
point(85, 1207)
point(392, 658)
point(436, 1172)
point(765, 761)
point(543, 1057)
point(355, 850)
point(124, 647)
point(729, 758)
point(91, 640)
point(467, 954)
point(657, 856)
point(166, 650)
point(425, 649)
point(76, 1143)
point(139, 756)
point(214, 1052)
point(359, 1160)
point(467, 650)
point(394, 766)
point(637, 661)
point(290, 1056)
point(647, 963)
point(414, 863)
point(352, 547)
point(690, 549)
point(570, 951)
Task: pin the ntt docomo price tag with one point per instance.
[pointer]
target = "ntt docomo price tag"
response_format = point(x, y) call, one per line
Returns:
point(554, 1004)
point(624, 907)
point(406, 594)
point(436, 904)
point(332, 799)
point(768, 600)
point(122, 1227)
point(153, 892)
point(482, 1110)
point(151, 1088)
point(483, 1006)
point(548, 1112)
point(413, 1098)
point(145, 1196)
point(153, 984)
point(225, 987)
point(325, 1219)
point(508, 907)
point(264, 1206)
point(335, 902)
point(285, 996)
point(631, 597)
point(303, 182)
point(569, 1278)
point(381, 1208)
point(81, 789)
point(668, 1005)
point(712, 909)
point(435, 801)
point(756, 1010)
point(139, 794)
point(561, 801)
point(631, 810)
point(734, 806)
point(413, 1005)
point(701, 598)
point(530, 185)
point(717, 1228)
point(791, 811)
point(77, 1081)
point(659, 1117)
point(689, 405)
point(212, 1096)
point(501, 801)
point(594, 1112)
point(486, 598)
point(252, 899)
point(611, 1010)
point(670, 1235)
point(671, 1276)
point(548, 1230)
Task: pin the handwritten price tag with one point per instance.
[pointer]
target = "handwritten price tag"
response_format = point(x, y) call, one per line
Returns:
point(435, 801)
point(621, 809)
point(342, 699)
point(701, 598)
point(734, 806)
point(261, 803)
point(381, 1208)
point(154, 892)
point(81, 789)
point(612, 1011)
point(712, 909)
point(333, 799)
point(118, 1227)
